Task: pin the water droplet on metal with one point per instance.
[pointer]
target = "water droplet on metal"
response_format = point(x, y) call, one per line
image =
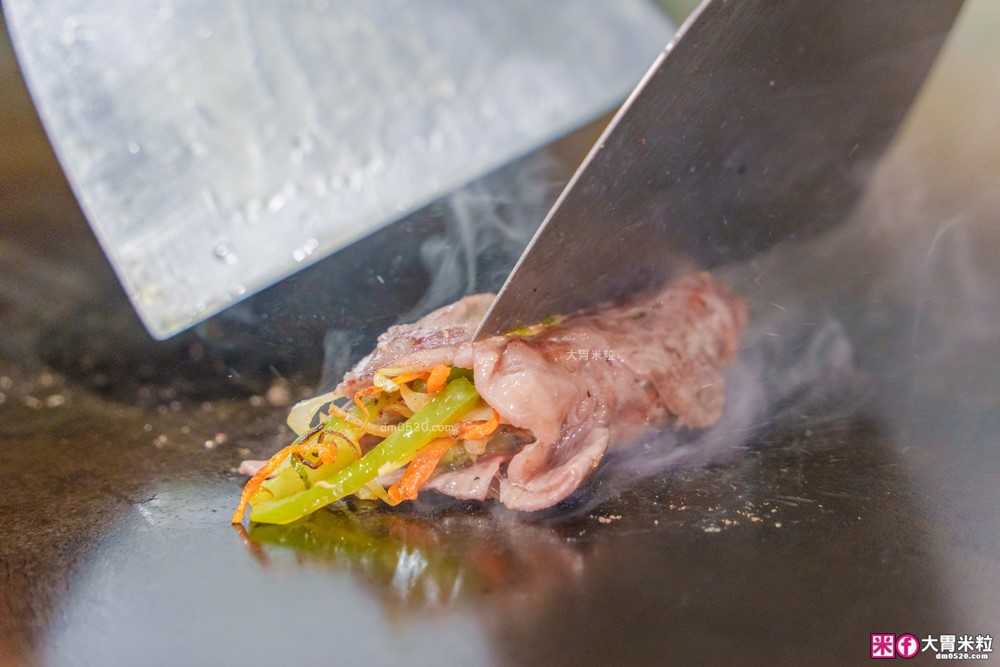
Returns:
point(223, 253)
point(276, 202)
point(307, 248)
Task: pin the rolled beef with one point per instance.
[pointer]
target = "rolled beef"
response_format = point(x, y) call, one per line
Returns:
point(598, 378)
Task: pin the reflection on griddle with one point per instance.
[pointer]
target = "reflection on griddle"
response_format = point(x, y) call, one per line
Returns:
point(414, 562)
point(719, 544)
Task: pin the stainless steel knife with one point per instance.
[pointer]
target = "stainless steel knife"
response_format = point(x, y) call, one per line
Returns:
point(219, 146)
point(760, 123)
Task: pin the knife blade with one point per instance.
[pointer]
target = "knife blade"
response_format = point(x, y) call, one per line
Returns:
point(218, 147)
point(760, 123)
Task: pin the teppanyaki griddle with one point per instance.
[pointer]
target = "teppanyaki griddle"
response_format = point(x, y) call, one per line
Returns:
point(871, 509)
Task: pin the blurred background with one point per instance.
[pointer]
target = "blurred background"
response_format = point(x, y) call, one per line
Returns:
point(870, 507)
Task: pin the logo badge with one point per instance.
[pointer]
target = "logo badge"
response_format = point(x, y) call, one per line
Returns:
point(884, 646)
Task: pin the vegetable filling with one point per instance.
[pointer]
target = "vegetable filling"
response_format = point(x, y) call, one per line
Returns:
point(420, 420)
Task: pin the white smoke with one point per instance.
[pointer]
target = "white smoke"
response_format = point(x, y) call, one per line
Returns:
point(853, 320)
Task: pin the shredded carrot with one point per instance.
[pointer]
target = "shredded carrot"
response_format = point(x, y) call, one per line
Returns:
point(479, 430)
point(316, 441)
point(419, 470)
point(437, 378)
point(268, 468)
point(328, 450)
point(360, 396)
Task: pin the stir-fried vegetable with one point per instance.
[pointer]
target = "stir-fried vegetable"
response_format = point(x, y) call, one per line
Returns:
point(336, 433)
point(403, 442)
point(480, 429)
point(333, 444)
point(419, 470)
point(437, 378)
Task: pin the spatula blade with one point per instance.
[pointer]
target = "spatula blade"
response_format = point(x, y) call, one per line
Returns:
point(760, 123)
point(217, 147)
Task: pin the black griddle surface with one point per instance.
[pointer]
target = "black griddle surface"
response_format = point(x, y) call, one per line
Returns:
point(117, 481)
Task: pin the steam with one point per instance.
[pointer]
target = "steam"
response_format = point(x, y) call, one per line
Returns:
point(796, 367)
point(487, 225)
point(476, 235)
point(795, 372)
point(902, 299)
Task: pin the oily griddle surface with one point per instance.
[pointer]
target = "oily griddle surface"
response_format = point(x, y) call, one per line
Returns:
point(117, 483)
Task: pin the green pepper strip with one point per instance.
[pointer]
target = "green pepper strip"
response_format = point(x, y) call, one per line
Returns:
point(457, 398)
point(291, 477)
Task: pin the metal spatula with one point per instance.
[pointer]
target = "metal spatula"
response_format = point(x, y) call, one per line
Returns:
point(761, 123)
point(219, 146)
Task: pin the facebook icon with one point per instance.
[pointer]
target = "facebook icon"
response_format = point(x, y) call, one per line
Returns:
point(907, 646)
